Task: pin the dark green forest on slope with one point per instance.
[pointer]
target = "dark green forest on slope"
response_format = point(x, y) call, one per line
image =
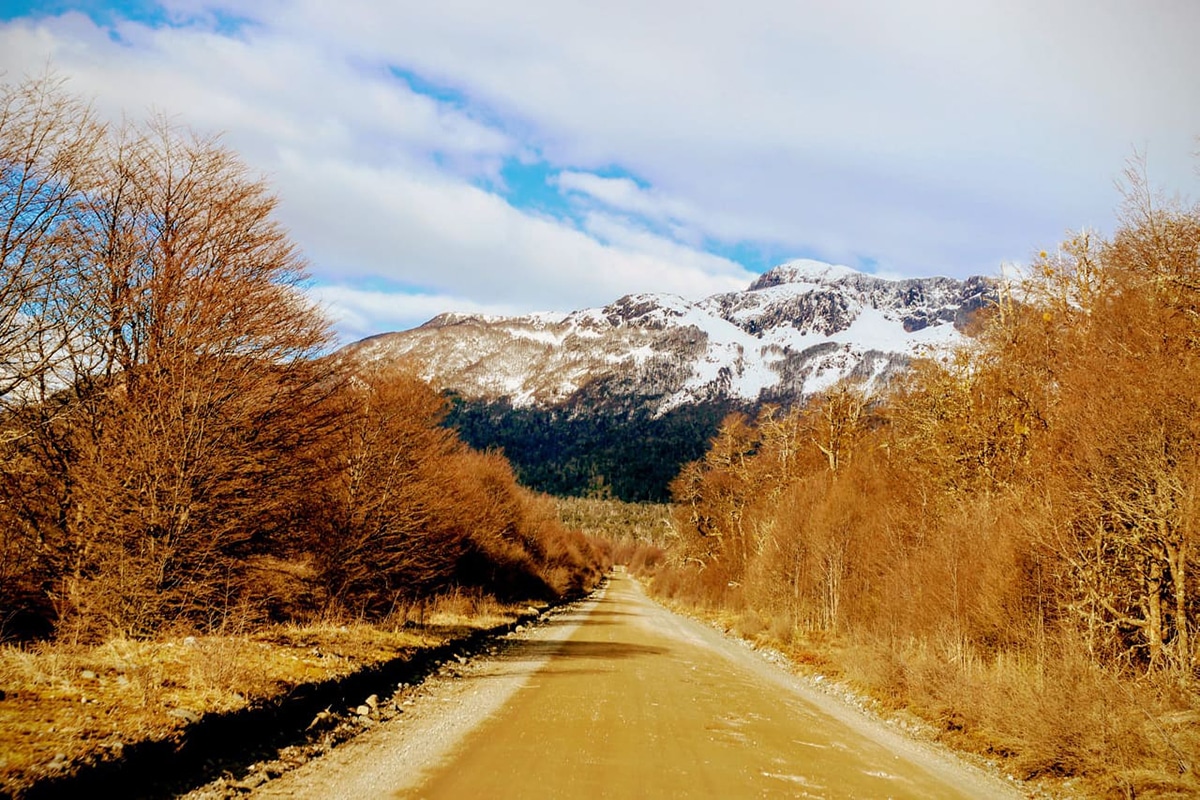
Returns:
point(581, 449)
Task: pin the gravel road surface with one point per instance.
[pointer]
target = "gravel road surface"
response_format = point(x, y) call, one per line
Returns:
point(620, 698)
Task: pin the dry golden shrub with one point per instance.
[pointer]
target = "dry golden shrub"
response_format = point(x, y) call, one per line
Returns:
point(1005, 542)
point(176, 451)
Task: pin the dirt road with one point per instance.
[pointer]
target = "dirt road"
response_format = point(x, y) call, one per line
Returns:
point(621, 698)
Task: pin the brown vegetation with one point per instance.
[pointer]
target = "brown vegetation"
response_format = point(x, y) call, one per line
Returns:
point(637, 535)
point(180, 458)
point(176, 452)
point(66, 705)
point(1004, 543)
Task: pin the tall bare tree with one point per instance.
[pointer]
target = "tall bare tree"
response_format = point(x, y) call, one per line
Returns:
point(48, 145)
point(157, 361)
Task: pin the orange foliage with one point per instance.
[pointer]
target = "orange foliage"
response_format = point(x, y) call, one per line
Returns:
point(173, 449)
point(1029, 502)
point(406, 510)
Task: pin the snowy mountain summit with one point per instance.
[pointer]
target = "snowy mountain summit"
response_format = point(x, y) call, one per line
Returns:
point(797, 329)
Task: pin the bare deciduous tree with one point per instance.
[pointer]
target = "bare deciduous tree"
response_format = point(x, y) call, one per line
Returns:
point(147, 270)
point(48, 145)
point(385, 522)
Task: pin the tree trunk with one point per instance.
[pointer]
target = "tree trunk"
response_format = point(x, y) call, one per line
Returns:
point(1154, 619)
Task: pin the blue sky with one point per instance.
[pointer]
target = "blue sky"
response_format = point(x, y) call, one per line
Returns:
point(553, 154)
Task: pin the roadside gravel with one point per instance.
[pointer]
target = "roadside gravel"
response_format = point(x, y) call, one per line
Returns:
point(385, 747)
point(615, 697)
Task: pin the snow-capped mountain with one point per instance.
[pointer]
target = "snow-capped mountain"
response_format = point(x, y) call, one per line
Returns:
point(796, 330)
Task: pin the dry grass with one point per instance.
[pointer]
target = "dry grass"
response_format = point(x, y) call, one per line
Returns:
point(457, 610)
point(1060, 718)
point(62, 704)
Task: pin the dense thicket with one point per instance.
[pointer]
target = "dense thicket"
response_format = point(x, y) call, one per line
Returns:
point(173, 447)
point(1009, 535)
point(407, 509)
point(583, 449)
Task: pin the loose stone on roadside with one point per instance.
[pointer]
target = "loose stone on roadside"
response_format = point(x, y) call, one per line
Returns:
point(322, 718)
point(185, 714)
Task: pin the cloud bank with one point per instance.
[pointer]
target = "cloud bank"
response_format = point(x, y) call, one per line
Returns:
point(551, 155)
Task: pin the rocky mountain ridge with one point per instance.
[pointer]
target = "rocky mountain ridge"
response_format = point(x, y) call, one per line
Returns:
point(799, 328)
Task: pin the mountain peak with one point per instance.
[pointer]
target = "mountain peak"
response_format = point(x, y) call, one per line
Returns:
point(823, 323)
point(803, 270)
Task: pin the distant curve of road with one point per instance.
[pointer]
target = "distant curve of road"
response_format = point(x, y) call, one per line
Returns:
point(620, 698)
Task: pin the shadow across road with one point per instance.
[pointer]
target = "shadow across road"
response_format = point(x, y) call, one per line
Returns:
point(578, 649)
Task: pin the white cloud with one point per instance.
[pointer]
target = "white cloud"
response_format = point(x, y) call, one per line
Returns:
point(780, 110)
point(449, 236)
point(724, 275)
point(352, 156)
point(930, 136)
point(358, 313)
point(625, 194)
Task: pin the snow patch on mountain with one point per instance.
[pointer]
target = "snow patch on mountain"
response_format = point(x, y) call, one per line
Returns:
point(797, 330)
